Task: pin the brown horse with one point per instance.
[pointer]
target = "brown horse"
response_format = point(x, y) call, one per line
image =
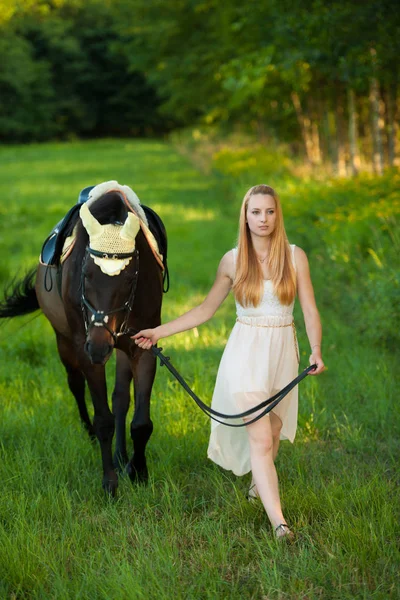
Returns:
point(92, 314)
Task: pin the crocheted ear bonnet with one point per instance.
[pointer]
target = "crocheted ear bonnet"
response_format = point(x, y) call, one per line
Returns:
point(113, 239)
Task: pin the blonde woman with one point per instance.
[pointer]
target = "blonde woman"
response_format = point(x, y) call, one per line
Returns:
point(261, 356)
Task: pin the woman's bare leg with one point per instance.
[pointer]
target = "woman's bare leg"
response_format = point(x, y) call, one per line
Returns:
point(263, 469)
point(276, 426)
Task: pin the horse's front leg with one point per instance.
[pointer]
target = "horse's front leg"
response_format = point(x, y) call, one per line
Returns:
point(120, 403)
point(144, 370)
point(103, 423)
point(76, 379)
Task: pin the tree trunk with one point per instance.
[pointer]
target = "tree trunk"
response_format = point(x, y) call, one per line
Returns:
point(323, 130)
point(353, 137)
point(377, 152)
point(312, 109)
point(391, 123)
point(340, 139)
point(316, 145)
point(304, 123)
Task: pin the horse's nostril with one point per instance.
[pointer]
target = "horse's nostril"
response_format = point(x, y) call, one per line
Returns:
point(98, 354)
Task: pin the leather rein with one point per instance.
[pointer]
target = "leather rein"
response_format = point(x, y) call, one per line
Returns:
point(266, 406)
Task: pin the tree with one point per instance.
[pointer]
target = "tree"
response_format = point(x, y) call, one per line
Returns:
point(62, 72)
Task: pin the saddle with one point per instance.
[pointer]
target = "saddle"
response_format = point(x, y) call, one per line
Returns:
point(53, 245)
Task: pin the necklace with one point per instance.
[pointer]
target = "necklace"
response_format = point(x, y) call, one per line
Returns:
point(262, 259)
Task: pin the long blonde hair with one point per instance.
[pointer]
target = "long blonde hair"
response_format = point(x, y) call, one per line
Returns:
point(248, 285)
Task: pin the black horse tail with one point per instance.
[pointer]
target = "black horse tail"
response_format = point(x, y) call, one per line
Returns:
point(20, 297)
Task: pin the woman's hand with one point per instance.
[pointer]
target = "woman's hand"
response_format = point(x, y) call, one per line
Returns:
point(316, 359)
point(146, 338)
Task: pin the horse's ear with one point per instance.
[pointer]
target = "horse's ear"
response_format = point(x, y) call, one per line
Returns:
point(90, 223)
point(130, 228)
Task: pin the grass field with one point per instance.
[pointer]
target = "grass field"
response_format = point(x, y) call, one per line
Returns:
point(191, 534)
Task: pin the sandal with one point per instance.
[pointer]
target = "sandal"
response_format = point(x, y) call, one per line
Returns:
point(286, 534)
point(252, 493)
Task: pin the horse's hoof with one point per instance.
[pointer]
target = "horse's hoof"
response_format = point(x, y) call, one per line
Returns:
point(110, 487)
point(137, 475)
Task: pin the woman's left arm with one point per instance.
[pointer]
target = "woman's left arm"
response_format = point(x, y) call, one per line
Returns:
point(308, 305)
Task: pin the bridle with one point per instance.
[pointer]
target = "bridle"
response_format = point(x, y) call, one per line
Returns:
point(100, 318)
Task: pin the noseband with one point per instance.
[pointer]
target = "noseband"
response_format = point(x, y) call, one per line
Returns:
point(100, 318)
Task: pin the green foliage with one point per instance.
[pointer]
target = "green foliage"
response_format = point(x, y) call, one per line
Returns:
point(63, 73)
point(242, 61)
point(26, 95)
point(254, 159)
point(294, 73)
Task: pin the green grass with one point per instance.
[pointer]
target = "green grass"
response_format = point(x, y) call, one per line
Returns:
point(191, 533)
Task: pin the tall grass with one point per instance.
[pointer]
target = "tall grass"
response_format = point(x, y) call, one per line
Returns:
point(191, 532)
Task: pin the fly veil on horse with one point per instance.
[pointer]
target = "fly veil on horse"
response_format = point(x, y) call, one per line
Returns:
point(107, 283)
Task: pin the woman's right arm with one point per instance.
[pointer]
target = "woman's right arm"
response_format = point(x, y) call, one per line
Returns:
point(146, 338)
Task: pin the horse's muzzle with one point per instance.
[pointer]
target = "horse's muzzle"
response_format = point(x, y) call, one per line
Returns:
point(98, 353)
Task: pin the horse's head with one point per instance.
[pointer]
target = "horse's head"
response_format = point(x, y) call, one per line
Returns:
point(109, 273)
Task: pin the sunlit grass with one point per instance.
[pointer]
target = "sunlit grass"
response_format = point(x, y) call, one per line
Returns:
point(191, 532)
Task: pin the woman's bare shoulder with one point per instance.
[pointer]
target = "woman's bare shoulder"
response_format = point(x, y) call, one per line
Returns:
point(227, 265)
point(301, 261)
point(300, 255)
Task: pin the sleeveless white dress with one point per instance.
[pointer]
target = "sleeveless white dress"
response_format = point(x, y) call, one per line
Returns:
point(260, 358)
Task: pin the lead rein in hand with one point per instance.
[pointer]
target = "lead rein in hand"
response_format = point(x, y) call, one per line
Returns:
point(268, 405)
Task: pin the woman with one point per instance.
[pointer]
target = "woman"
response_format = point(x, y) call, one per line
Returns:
point(261, 355)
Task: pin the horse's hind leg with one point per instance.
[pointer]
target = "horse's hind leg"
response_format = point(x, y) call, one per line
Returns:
point(76, 380)
point(120, 403)
point(144, 370)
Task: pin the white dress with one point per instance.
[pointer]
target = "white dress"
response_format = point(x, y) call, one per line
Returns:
point(260, 358)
